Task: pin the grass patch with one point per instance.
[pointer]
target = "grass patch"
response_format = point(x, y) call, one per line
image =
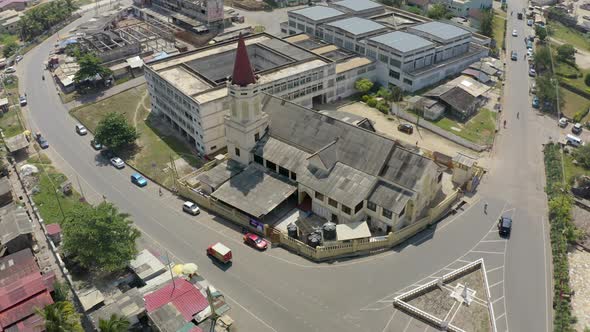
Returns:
point(10, 122)
point(572, 170)
point(572, 102)
point(46, 197)
point(566, 70)
point(499, 31)
point(155, 148)
point(480, 129)
point(569, 35)
point(68, 97)
point(579, 81)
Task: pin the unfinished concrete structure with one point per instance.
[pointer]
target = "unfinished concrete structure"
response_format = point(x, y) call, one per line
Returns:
point(140, 38)
point(209, 12)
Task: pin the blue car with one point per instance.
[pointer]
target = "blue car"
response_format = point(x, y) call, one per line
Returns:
point(536, 102)
point(138, 180)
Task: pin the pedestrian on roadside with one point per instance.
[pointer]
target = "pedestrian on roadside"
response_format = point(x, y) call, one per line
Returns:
point(517, 114)
point(485, 208)
point(160, 191)
point(416, 143)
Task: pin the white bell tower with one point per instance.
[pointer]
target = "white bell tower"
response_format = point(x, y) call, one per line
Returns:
point(246, 123)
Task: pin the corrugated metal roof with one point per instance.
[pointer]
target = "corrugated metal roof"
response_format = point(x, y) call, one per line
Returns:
point(317, 13)
point(357, 25)
point(390, 197)
point(25, 309)
point(53, 229)
point(24, 288)
point(187, 299)
point(358, 5)
point(440, 30)
point(402, 41)
point(17, 265)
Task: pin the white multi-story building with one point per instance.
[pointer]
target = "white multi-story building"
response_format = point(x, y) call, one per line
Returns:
point(190, 90)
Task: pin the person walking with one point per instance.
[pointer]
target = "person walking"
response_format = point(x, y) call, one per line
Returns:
point(485, 208)
point(517, 114)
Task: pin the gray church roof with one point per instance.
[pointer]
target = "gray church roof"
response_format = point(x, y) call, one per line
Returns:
point(358, 5)
point(390, 196)
point(406, 168)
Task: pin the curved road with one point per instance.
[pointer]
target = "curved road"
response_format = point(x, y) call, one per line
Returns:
point(278, 291)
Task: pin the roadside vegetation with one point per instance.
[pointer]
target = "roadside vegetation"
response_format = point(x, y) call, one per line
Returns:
point(98, 237)
point(43, 17)
point(11, 122)
point(499, 31)
point(377, 96)
point(155, 147)
point(563, 233)
point(568, 35)
point(480, 129)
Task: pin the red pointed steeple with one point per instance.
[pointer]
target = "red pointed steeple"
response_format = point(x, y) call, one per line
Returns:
point(243, 73)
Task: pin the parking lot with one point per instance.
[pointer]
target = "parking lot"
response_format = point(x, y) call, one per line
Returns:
point(491, 248)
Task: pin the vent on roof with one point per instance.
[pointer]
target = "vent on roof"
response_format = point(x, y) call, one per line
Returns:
point(344, 183)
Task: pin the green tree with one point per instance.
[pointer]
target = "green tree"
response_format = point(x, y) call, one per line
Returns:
point(587, 79)
point(541, 33)
point(566, 53)
point(61, 317)
point(115, 323)
point(363, 85)
point(542, 58)
point(582, 155)
point(393, 3)
point(100, 237)
point(396, 94)
point(415, 10)
point(548, 92)
point(437, 11)
point(60, 291)
point(114, 131)
point(90, 66)
point(9, 49)
point(41, 18)
point(486, 26)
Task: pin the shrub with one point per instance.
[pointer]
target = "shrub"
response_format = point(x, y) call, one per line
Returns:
point(365, 98)
point(383, 107)
point(587, 79)
point(372, 102)
point(580, 115)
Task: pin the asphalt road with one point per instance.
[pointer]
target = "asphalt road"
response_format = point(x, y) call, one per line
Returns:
point(278, 291)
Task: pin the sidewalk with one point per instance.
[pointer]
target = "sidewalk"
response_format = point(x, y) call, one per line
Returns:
point(87, 99)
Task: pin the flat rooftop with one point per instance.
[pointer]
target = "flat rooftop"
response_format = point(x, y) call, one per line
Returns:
point(441, 30)
point(357, 25)
point(358, 5)
point(255, 191)
point(402, 41)
point(202, 73)
point(318, 13)
point(352, 64)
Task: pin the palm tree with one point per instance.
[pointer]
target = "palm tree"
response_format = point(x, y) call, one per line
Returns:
point(61, 317)
point(114, 324)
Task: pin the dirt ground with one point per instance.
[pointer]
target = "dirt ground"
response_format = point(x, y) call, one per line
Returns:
point(579, 262)
point(387, 125)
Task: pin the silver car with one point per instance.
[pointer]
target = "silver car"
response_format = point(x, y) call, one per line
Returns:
point(117, 162)
point(81, 130)
point(190, 208)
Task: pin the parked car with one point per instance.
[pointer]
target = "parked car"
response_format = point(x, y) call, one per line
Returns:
point(255, 241)
point(18, 58)
point(563, 122)
point(22, 100)
point(117, 162)
point(536, 103)
point(577, 128)
point(529, 52)
point(81, 130)
point(530, 23)
point(42, 141)
point(138, 180)
point(95, 144)
point(406, 128)
point(514, 33)
point(10, 70)
point(505, 226)
point(220, 252)
point(513, 56)
point(532, 72)
point(190, 208)
point(574, 141)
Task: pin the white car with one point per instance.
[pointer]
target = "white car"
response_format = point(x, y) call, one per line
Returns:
point(81, 130)
point(529, 52)
point(190, 208)
point(117, 162)
point(563, 122)
point(10, 70)
point(514, 33)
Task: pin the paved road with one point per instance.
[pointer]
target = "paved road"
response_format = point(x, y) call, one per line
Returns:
point(278, 291)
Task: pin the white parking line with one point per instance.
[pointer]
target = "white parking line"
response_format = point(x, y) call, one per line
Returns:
point(494, 269)
point(502, 315)
point(408, 326)
point(487, 252)
point(390, 319)
point(496, 284)
point(498, 299)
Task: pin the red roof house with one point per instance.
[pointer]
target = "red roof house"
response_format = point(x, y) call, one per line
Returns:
point(23, 289)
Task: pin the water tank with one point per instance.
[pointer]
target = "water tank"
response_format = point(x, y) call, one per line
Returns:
point(329, 231)
point(314, 240)
point(292, 230)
